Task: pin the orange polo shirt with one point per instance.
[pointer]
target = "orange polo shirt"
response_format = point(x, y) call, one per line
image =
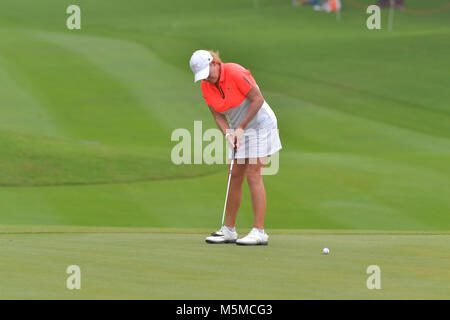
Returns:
point(234, 84)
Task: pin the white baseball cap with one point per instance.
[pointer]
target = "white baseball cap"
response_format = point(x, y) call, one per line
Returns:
point(199, 63)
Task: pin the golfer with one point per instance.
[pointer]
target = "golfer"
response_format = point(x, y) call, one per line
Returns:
point(230, 91)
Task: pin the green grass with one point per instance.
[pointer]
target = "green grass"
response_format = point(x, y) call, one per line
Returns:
point(363, 115)
point(177, 264)
point(47, 161)
point(86, 119)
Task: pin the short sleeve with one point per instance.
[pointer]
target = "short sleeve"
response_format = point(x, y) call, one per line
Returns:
point(204, 91)
point(243, 80)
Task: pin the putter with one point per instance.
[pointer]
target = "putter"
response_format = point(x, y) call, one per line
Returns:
point(218, 233)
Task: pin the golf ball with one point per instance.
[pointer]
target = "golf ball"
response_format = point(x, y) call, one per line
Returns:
point(326, 251)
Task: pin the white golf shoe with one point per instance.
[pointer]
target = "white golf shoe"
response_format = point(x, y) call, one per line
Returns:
point(254, 238)
point(226, 237)
point(218, 232)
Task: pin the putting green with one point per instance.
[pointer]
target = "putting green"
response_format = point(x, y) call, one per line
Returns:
point(121, 263)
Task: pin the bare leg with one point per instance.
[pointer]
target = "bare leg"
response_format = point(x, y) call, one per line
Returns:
point(257, 191)
point(235, 193)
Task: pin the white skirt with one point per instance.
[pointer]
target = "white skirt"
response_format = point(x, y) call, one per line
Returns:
point(261, 135)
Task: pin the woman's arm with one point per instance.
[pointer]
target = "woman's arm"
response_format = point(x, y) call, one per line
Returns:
point(256, 102)
point(220, 119)
point(222, 124)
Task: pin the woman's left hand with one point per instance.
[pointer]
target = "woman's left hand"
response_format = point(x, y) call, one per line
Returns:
point(239, 135)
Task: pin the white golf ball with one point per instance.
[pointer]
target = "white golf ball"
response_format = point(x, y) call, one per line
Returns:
point(326, 251)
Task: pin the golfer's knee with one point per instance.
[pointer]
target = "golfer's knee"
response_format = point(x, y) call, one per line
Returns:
point(238, 177)
point(253, 177)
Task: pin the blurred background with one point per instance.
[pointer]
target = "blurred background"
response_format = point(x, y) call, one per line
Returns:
point(86, 115)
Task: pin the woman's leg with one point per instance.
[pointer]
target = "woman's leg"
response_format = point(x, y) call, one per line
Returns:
point(257, 191)
point(235, 193)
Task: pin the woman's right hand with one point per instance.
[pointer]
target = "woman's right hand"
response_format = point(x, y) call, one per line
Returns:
point(231, 139)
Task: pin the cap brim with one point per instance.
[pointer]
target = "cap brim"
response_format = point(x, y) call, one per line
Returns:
point(202, 74)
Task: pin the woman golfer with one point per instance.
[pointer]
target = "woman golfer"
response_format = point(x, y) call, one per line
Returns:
point(230, 90)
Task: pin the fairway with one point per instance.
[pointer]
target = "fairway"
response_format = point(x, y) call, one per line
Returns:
point(87, 178)
point(120, 263)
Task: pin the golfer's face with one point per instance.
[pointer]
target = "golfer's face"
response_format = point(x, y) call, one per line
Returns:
point(213, 72)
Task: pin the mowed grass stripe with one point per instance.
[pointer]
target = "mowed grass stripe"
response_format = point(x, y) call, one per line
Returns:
point(167, 92)
point(89, 104)
point(360, 102)
point(21, 111)
point(341, 131)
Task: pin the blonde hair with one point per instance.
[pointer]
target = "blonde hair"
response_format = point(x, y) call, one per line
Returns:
point(215, 55)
